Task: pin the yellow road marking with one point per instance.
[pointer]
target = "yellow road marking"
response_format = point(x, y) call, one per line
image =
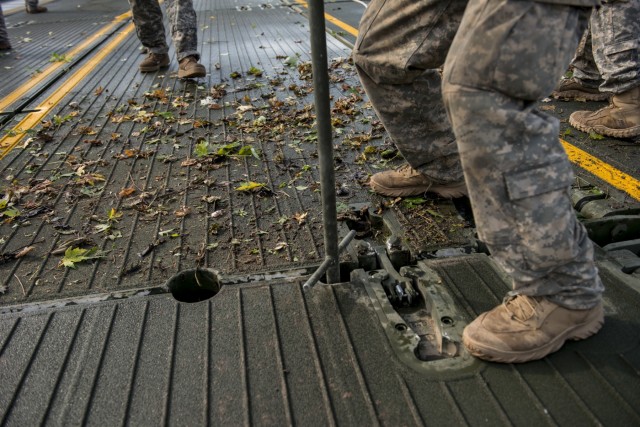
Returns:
point(8, 142)
point(35, 80)
point(335, 21)
point(602, 170)
point(581, 158)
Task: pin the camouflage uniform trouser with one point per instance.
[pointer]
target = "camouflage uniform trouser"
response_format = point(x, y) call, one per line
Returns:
point(147, 16)
point(32, 4)
point(4, 35)
point(517, 172)
point(608, 57)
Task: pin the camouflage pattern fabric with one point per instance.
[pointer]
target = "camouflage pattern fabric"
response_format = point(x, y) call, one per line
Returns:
point(506, 56)
point(4, 35)
point(147, 16)
point(609, 57)
point(516, 170)
point(399, 52)
point(32, 4)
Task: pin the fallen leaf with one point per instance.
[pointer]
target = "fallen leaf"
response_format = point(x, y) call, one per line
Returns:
point(250, 186)
point(182, 212)
point(73, 256)
point(300, 217)
point(126, 192)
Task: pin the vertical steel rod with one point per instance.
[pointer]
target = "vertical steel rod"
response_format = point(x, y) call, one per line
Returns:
point(325, 145)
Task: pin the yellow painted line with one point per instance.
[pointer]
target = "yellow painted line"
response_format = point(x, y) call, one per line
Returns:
point(335, 21)
point(602, 170)
point(21, 91)
point(8, 142)
point(581, 158)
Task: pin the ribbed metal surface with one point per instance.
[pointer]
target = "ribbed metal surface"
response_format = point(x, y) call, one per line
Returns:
point(268, 354)
point(250, 232)
point(37, 39)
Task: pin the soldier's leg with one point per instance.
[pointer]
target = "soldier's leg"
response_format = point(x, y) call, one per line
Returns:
point(616, 48)
point(4, 35)
point(147, 17)
point(398, 54)
point(508, 55)
point(585, 82)
point(616, 44)
point(583, 64)
point(184, 28)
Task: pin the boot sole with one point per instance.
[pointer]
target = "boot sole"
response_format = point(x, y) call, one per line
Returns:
point(579, 332)
point(606, 131)
point(185, 75)
point(416, 191)
point(151, 69)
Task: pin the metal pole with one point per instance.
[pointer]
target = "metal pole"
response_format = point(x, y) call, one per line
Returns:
point(311, 281)
point(325, 146)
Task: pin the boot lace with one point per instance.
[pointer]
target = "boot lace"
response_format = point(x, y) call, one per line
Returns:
point(521, 307)
point(407, 170)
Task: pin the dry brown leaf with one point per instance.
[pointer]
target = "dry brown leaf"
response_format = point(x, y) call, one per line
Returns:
point(189, 162)
point(182, 212)
point(126, 192)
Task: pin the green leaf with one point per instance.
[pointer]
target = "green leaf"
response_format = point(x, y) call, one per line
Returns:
point(56, 57)
point(291, 61)
point(250, 186)
point(434, 213)
point(114, 215)
point(228, 149)
point(255, 71)
point(72, 256)
point(166, 233)
point(594, 135)
point(202, 149)
point(412, 202)
point(248, 150)
point(11, 212)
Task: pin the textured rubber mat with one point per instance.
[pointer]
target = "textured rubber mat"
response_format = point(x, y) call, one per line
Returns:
point(269, 354)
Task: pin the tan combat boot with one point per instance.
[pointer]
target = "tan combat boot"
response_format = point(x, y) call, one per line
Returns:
point(37, 9)
point(189, 68)
point(526, 328)
point(621, 119)
point(571, 89)
point(406, 181)
point(153, 62)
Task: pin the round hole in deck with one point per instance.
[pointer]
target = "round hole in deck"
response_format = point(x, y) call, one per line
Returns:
point(400, 327)
point(446, 320)
point(194, 285)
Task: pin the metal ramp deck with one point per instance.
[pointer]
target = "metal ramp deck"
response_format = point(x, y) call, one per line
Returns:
point(146, 169)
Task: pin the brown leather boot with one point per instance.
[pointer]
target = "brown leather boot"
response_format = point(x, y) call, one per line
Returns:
point(189, 68)
point(406, 181)
point(572, 89)
point(526, 328)
point(5, 45)
point(620, 119)
point(37, 9)
point(153, 62)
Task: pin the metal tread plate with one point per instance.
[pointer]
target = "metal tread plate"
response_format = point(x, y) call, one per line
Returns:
point(270, 354)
